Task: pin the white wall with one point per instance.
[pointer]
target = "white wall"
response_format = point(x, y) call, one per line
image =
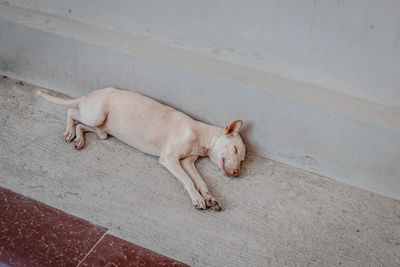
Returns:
point(352, 47)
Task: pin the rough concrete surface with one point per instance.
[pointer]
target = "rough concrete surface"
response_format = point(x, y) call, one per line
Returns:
point(274, 215)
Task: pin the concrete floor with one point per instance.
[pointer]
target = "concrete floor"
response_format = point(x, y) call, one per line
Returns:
point(275, 215)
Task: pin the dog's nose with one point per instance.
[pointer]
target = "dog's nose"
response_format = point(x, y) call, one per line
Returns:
point(235, 173)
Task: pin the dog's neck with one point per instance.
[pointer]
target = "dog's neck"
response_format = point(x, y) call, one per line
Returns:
point(207, 136)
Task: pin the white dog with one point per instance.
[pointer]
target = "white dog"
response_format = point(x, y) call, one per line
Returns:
point(158, 130)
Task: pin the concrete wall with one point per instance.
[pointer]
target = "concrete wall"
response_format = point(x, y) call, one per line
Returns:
point(351, 47)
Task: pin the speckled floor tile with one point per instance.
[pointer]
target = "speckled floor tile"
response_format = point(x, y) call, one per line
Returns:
point(113, 251)
point(34, 234)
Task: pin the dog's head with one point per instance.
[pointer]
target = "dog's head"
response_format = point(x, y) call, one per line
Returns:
point(229, 150)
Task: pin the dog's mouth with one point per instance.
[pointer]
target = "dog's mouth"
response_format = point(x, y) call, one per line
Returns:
point(223, 167)
point(233, 173)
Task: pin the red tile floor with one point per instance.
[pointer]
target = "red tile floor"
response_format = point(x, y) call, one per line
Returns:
point(34, 234)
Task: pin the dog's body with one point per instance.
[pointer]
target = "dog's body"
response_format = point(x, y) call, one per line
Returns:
point(158, 130)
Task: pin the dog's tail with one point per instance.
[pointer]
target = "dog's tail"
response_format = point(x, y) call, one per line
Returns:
point(60, 101)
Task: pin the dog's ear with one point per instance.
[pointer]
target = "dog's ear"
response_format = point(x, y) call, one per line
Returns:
point(233, 128)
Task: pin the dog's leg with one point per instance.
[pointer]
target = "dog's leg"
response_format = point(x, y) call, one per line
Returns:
point(174, 166)
point(188, 165)
point(81, 128)
point(72, 115)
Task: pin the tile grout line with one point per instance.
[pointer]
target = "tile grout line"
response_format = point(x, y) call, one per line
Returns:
point(90, 251)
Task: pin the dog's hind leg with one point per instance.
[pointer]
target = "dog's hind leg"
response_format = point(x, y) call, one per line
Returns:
point(72, 115)
point(81, 129)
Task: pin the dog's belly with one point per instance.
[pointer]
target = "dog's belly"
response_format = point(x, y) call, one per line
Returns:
point(142, 122)
point(141, 136)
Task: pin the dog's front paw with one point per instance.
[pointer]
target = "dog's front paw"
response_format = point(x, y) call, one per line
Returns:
point(69, 134)
point(199, 203)
point(211, 203)
point(79, 142)
point(216, 207)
